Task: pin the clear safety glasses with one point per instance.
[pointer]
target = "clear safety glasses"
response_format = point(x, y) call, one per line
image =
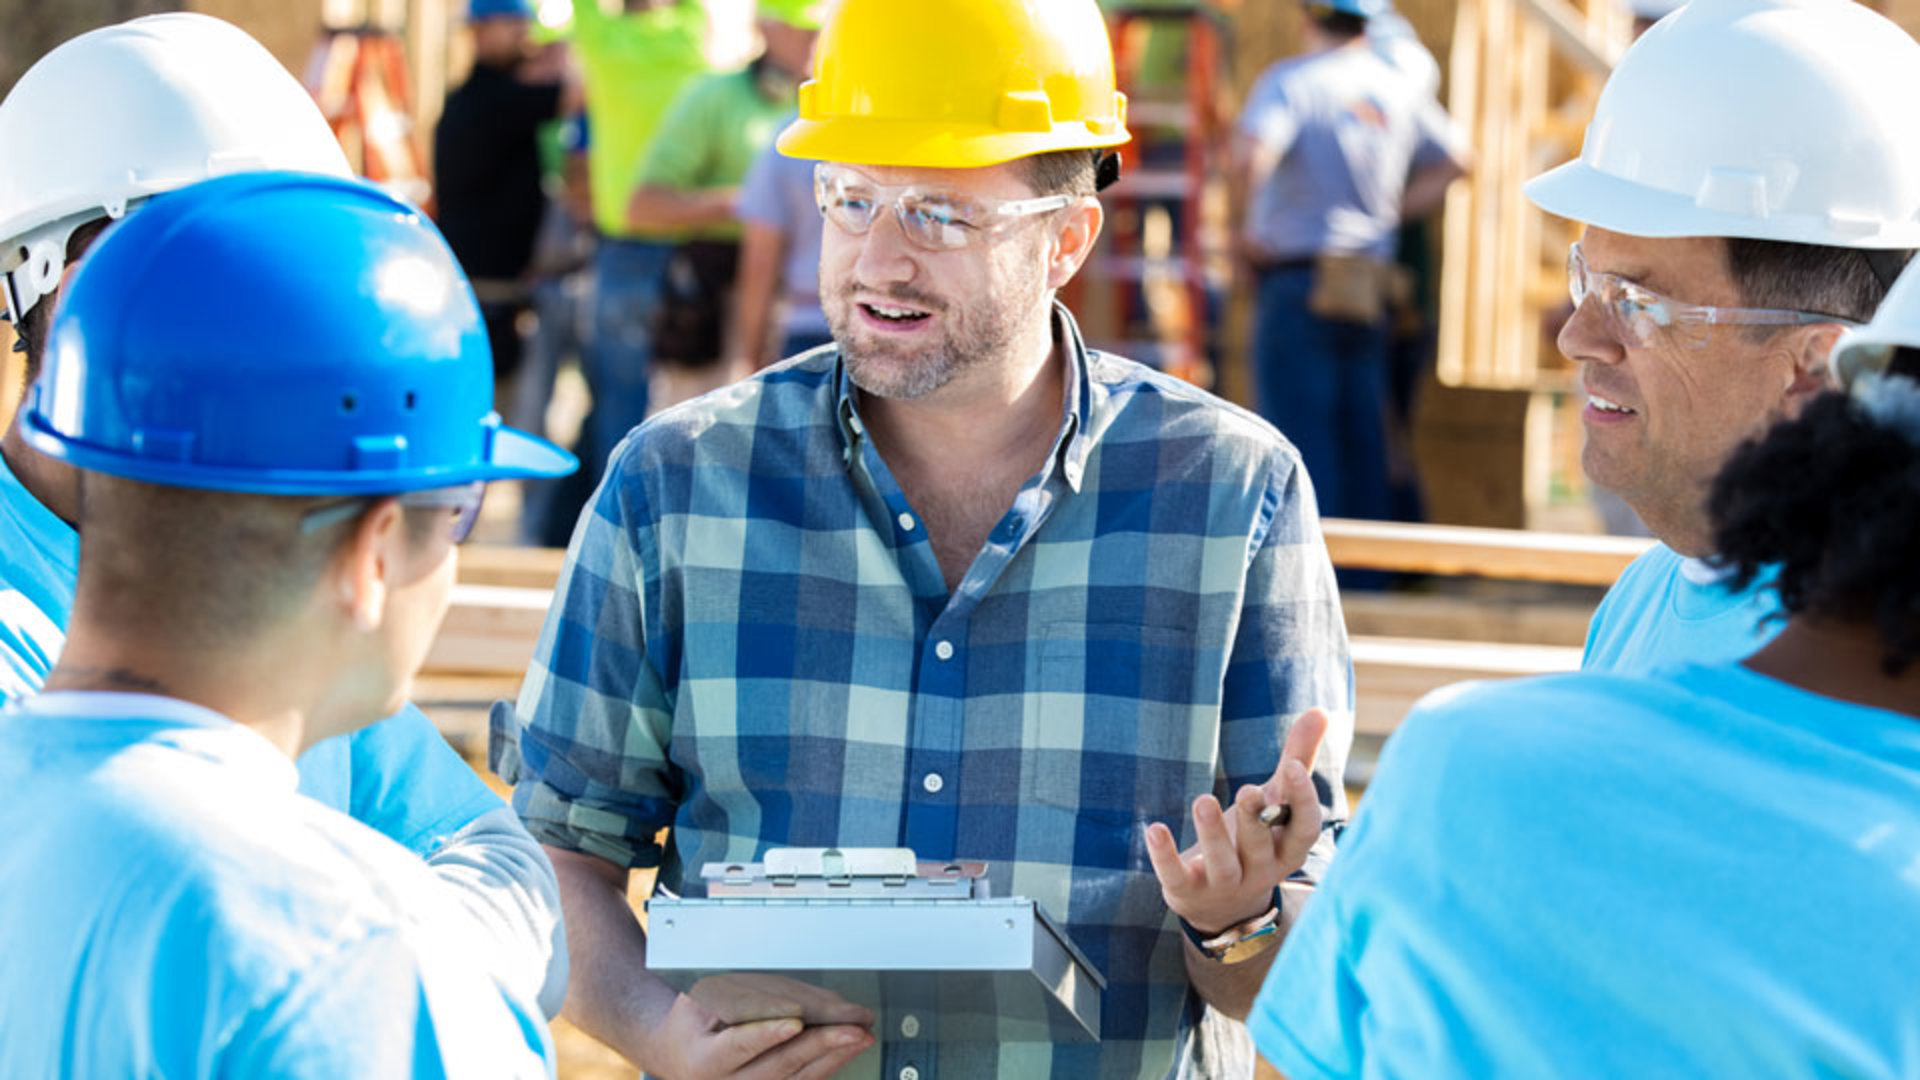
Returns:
point(1638, 316)
point(463, 499)
point(932, 219)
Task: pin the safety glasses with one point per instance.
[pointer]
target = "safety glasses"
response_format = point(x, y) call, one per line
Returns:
point(464, 500)
point(1638, 316)
point(932, 219)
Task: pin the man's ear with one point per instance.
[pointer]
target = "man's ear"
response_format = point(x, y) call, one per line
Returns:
point(1073, 241)
point(364, 564)
point(1812, 364)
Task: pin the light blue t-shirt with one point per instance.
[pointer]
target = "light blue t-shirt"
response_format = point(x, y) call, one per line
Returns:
point(1667, 610)
point(778, 193)
point(398, 776)
point(170, 906)
point(1345, 129)
point(1707, 873)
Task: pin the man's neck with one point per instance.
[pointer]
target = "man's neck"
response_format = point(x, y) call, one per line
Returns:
point(1007, 413)
point(53, 484)
point(139, 671)
point(962, 454)
point(1843, 661)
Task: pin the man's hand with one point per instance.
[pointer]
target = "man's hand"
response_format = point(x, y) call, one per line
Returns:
point(760, 1027)
point(1229, 874)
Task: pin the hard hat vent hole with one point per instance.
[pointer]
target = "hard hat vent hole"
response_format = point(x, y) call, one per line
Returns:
point(349, 402)
point(410, 400)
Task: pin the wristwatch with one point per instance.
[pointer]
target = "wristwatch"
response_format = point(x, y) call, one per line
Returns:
point(1242, 941)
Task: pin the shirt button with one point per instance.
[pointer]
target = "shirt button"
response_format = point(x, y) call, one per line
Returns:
point(910, 1026)
point(906, 522)
point(933, 782)
point(944, 650)
point(908, 1072)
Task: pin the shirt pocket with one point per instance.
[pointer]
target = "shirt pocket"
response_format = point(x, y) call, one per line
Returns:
point(1114, 732)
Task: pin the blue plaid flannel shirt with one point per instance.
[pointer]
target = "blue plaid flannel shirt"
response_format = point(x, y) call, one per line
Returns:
point(752, 646)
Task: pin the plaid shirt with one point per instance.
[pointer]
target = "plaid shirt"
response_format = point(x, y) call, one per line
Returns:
point(752, 643)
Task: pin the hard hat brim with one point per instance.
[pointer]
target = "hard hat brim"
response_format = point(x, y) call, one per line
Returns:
point(513, 455)
point(920, 144)
point(1579, 192)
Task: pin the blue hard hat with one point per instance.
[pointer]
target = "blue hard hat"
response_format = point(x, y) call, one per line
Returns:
point(1365, 9)
point(489, 9)
point(279, 333)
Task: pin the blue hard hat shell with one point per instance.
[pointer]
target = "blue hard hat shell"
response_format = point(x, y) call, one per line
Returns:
point(281, 333)
point(1366, 9)
point(487, 9)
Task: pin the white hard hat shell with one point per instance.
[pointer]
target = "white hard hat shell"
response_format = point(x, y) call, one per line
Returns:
point(1790, 120)
point(133, 110)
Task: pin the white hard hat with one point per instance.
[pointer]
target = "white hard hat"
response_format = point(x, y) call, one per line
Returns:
point(1895, 325)
point(1790, 120)
point(132, 110)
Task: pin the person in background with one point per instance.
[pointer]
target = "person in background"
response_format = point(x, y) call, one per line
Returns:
point(1729, 241)
point(272, 496)
point(779, 287)
point(690, 183)
point(1333, 150)
point(486, 162)
point(1706, 871)
point(164, 101)
point(635, 61)
point(958, 584)
point(562, 274)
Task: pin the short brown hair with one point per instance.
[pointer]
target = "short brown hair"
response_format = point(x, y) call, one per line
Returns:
point(1835, 281)
point(1062, 172)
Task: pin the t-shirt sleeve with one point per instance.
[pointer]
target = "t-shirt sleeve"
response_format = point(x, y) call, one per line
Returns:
point(678, 156)
point(586, 746)
point(1289, 654)
point(1268, 119)
point(407, 783)
point(760, 201)
point(376, 1007)
point(1439, 138)
point(1311, 1017)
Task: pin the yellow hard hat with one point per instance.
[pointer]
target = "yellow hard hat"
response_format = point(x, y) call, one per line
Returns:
point(958, 84)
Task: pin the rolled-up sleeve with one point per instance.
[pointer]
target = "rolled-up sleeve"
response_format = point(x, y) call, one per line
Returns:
point(587, 745)
point(1290, 653)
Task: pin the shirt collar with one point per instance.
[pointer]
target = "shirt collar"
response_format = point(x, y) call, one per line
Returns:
point(1070, 449)
point(183, 725)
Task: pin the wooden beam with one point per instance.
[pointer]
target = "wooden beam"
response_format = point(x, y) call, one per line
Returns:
point(519, 567)
point(1497, 553)
point(1391, 674)
point(1565, 558)
point(1568, 29)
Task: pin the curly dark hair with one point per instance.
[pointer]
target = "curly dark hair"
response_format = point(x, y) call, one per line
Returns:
point(1832, 499)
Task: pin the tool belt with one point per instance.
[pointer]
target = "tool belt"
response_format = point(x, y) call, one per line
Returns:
point(696, 295)
point(1351, 288)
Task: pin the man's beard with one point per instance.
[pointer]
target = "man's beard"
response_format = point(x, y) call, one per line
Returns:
point(907, 373)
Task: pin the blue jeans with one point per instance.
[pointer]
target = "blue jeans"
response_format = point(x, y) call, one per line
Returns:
point(627, 290)
point(1324, 385)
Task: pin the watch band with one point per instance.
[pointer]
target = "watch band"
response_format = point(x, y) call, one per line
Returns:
point(1242, 941)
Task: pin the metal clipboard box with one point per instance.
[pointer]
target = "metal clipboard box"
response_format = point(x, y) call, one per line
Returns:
point(884, 930)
